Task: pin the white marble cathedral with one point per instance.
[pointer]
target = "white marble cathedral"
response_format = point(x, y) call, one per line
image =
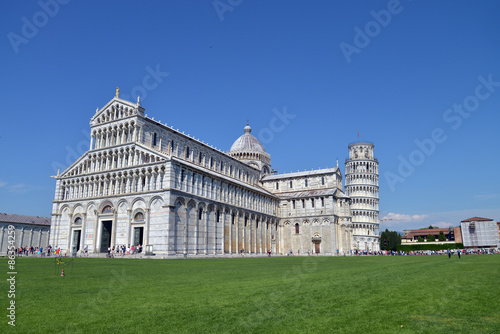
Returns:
point(142, 182)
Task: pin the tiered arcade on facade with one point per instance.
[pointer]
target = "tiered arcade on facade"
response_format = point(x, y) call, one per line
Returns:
point(361, 185)
point(144, 183)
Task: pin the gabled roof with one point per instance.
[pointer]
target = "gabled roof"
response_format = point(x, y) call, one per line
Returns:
point(23, 219)
point(120, 101)
point(301, 174)
point(138, 147)
point(476, 219)
point(307, 193)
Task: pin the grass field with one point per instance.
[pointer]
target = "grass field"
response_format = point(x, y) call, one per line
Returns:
point(424, 294)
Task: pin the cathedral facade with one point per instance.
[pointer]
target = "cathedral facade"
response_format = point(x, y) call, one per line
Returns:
point(144, 183)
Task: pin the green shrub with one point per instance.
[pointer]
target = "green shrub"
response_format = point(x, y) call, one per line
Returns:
point(431, 247)
point(431, 238)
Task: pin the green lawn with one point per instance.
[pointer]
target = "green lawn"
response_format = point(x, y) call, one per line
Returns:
point(424, 294)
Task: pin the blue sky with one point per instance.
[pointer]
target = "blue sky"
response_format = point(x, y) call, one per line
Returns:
point(419, 79)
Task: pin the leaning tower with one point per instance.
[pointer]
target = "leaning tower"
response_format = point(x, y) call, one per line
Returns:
point(361, 185)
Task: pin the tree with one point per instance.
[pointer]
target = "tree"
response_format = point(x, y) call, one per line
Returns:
point(428, 228)
point(420, 239)
point(442, 237)
point(390, 240)
point(431, 238)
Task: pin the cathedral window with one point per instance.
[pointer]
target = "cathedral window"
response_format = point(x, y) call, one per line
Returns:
point(106, 209)
point(217, 216)
point(322, 181)
point(199, 158)
point(277, 185)
point(291, 184)
point(293, 204)
point(187, 153)
point(303, 203)
point(182, 175)
point(154, 138)
point(139, 217)
point(297, 228)
point(78, 220)
point(200, 214)
point(211, 162)
point(312, 202)
point(322, 201)
point(305, 183)
point(172, 146)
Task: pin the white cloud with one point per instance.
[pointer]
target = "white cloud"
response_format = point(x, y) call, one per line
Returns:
point(391, 216)
point(18, 188)
point(2, 184)
point(443, 224)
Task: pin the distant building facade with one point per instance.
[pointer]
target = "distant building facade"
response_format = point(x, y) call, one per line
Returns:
point(478, 232)
point(142, 182)
point(411, 236)
point(475, 232)
point(30, 231)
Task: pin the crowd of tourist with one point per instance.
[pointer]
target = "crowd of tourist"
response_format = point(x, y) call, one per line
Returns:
point(136, 249)
point(124, 250)
point(467, 251)
point(355, 252)
point(36, 251)
point(56, 251)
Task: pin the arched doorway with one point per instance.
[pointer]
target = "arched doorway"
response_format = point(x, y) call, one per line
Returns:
point(316, 239)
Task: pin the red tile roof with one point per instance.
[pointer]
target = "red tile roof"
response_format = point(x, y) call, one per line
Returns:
point(426, 232)
point(476, 219)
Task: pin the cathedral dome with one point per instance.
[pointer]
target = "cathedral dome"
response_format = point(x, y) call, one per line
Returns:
point(247, 142)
